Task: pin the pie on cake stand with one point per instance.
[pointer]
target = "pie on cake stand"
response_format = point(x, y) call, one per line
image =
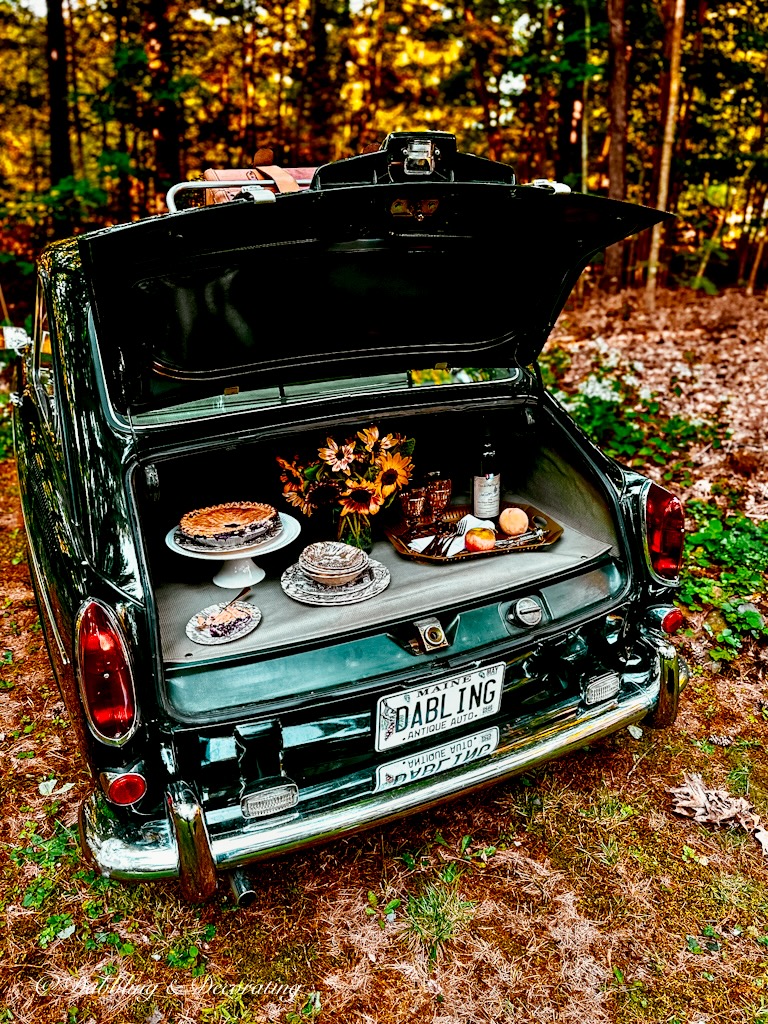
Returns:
point(238, 569)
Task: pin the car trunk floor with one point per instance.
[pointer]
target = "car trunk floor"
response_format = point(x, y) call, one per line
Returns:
point(416, 589)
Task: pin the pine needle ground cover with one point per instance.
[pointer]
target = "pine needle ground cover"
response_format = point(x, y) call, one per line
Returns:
point(572, 893)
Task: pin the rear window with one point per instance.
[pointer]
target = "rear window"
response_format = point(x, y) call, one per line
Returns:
point(247, 400)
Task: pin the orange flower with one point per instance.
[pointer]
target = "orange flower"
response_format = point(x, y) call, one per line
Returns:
point(338, 456)
point(291, 475)
point(299, 499)
point(324, 494)
point(394, 471)
point(375, 444)
point(361, 496)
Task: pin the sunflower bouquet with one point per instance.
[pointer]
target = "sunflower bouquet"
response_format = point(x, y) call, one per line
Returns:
point(357, 478)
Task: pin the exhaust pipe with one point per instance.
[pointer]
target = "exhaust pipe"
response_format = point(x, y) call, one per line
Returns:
point(242, 890)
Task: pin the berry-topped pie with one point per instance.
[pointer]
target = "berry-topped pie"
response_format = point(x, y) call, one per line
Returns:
point(229, 526)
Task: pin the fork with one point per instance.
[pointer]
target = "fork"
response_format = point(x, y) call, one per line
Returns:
point(237, 597)
point(445, 543)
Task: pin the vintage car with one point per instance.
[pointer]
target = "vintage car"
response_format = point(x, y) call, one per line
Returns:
point(180, 363)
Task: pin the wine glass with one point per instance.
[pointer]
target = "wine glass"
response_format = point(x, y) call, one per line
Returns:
point(438, 496)
point(412, 503)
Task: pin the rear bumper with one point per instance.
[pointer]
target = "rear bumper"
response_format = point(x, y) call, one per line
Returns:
point(180, 846)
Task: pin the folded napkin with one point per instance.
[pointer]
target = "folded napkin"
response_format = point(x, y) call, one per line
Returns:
point(457, 544)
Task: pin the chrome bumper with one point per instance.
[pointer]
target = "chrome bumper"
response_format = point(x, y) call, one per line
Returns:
point(180, 845)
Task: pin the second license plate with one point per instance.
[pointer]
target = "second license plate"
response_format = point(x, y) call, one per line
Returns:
point(451, 754)
point(434, 708)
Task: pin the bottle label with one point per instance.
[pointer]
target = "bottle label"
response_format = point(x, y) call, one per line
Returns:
point(486, 496)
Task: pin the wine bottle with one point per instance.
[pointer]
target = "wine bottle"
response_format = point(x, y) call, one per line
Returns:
point(486, 483)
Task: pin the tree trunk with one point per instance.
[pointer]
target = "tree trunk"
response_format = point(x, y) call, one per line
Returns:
point(617, 157)
point(487, 102)
point(167, 130)
point(56, 53)
point(759, 253)
point(246, 134)
point(72, 67)
point(125, 106)
point(666, 150)
point(570, 100)
point(585, 100)
point(322, 102)
point(756, 264)
point(710, 243)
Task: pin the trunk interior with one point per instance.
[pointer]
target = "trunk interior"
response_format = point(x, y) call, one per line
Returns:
point(303, 652)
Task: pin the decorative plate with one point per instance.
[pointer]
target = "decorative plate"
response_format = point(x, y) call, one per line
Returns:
point(203, 636)
point(332, 558)
point(300, 587)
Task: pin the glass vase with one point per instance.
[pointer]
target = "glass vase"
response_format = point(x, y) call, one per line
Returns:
point(355, 529)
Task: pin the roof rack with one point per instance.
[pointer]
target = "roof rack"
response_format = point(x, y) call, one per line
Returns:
point(259, 184)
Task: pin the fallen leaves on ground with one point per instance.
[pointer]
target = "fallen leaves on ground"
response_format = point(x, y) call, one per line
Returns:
point(716, 807)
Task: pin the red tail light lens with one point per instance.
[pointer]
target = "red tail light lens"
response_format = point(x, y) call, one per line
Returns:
point(664, 530)
point(126, 789)
point(106, 682)
point(672, 621)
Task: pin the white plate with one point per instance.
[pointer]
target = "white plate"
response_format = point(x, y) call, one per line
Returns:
point(290, 531)
point(301, 588)
point(203, 636)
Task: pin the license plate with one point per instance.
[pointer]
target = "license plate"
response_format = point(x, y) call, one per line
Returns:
point(432, 709)
point(438, 759)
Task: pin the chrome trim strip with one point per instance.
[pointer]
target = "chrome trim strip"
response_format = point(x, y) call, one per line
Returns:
point(121, 850)
point(40, 589)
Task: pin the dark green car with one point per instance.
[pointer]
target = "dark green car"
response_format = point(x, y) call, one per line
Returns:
point(174, 360)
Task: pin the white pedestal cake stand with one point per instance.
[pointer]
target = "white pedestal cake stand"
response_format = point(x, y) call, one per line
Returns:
point(239, 569)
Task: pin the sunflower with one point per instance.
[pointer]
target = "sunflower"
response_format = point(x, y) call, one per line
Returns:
point(375, 444)
point(338, 456)
point(394, 471)
point(323, 494)
point(291, 474)
point(299, 499)
point(361, 496)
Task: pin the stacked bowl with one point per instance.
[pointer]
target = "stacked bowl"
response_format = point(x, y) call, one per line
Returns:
point(333, 564)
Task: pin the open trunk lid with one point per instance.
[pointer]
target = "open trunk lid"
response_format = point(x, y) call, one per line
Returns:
point(337, 281)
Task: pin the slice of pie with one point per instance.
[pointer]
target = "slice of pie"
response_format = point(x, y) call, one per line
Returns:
point(223, 623)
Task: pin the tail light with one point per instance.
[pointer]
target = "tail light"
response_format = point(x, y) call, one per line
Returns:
point(666, 618)
point(663, 529)
point(124, 788)
point(672, 621)
point(106, 681)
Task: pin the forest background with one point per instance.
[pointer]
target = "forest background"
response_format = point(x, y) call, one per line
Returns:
point(574, 893)
point(106, 103)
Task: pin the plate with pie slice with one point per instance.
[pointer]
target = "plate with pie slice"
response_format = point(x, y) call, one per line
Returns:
point(221, 623)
